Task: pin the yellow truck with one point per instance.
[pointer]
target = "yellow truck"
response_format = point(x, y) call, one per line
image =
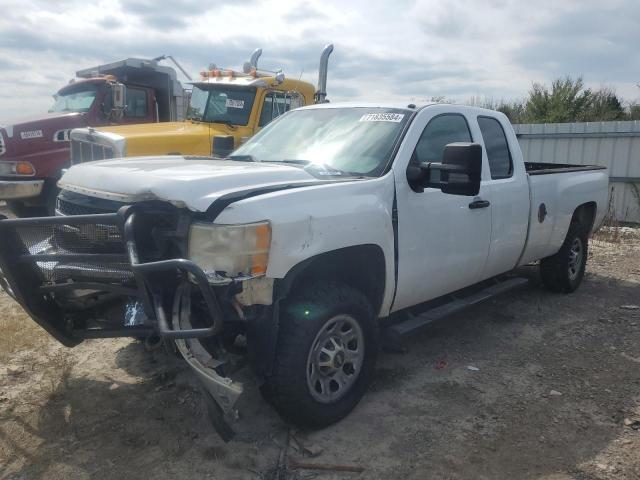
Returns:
point(226, 108)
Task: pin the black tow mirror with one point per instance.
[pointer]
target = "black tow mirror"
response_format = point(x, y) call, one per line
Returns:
point(458, 174)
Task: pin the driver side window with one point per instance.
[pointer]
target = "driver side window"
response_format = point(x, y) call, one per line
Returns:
point(439, 132)
point(275, 104)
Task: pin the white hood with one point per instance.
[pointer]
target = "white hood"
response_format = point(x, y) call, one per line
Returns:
point(192, 183)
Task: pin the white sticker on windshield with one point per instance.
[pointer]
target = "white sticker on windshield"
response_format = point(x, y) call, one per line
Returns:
point(234, 103)
point(382, 117)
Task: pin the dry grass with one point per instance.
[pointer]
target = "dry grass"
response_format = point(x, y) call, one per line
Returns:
point(17, 330)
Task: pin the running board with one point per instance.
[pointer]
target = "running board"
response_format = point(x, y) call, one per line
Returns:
point(393, 334)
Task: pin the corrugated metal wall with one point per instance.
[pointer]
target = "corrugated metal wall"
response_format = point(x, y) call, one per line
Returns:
point(613, 144)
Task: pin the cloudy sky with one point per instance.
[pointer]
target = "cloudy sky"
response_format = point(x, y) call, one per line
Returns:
point(401, 49)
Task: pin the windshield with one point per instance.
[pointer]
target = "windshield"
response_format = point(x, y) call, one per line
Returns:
point(221, 104)
point(357, 141)
point(76, 100)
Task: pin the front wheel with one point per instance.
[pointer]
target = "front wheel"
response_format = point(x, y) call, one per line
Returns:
point(563, 271)
point(327, 349)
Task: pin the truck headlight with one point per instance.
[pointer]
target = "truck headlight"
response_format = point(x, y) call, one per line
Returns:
point(231, 250)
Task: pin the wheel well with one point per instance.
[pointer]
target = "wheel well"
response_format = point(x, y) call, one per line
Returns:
point(586, 214)
point(360, 266)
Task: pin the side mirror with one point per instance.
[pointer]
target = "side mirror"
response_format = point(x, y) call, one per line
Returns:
point(118, 96)
point(458, 174)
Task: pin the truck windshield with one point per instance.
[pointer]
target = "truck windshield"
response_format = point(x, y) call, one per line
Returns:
point(358, 141)
point(77, 99)
point(222, 104)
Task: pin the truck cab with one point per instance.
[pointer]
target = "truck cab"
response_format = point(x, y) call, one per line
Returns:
point(34, 150)
point(226, 108)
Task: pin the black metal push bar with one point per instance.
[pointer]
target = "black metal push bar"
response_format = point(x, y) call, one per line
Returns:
point(19, 267)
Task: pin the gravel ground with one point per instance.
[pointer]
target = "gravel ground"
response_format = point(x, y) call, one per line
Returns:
point(529, 385)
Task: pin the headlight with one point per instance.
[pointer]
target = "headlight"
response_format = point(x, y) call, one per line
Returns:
point(231, 250)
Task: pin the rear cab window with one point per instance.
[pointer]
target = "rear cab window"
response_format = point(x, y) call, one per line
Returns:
point(497, 148)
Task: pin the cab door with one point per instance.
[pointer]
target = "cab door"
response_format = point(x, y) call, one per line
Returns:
point(443, 239)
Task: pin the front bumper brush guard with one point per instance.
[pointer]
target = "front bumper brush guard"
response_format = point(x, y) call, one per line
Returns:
point(26, 287)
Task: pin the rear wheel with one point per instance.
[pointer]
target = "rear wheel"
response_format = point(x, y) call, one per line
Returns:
point(563, 272)
point(327, 349)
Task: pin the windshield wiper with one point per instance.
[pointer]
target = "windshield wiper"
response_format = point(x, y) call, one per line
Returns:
point(319, 168)
point(294, 161)
point(242, 158)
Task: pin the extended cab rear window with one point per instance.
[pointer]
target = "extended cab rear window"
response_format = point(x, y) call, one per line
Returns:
point(495, 142)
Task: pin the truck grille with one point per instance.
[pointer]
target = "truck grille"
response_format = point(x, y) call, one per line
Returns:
point(3, 147)
point(56, 245)
point(70, 203)
point(88, 152)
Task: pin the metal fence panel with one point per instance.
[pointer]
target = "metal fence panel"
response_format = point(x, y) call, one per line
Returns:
point(615, 145)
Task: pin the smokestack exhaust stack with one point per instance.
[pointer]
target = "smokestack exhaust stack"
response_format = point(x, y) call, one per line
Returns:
point(321, 94)
point(252, 63)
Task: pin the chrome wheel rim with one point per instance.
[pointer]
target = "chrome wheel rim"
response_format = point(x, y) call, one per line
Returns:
point(335, 358)
point(575, 258)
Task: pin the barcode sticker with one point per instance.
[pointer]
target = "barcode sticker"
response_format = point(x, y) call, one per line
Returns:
point(230, 103)
point(382, 117)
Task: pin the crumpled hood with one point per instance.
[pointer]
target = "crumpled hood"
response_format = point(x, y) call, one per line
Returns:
point(183, 181)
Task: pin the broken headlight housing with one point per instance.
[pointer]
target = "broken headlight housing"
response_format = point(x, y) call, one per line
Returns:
point(230, 251)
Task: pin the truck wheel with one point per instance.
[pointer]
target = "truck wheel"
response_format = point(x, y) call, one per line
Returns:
point(563, 271)
point(327, 348)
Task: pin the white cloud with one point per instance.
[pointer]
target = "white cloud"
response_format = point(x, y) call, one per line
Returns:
point(384, 50)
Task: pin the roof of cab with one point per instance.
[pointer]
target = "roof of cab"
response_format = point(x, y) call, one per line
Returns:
point(408, 106)
point(398, 105)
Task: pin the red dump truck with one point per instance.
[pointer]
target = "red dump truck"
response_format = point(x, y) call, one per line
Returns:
point(34, 150)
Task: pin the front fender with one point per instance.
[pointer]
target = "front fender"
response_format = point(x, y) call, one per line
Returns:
point(309, 221)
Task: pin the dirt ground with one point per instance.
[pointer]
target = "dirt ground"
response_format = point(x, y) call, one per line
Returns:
point(553, 393)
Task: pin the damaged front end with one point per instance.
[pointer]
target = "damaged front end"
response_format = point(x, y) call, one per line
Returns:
point(126, 274)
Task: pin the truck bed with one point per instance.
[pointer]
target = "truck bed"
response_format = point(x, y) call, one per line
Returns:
point(537, 168)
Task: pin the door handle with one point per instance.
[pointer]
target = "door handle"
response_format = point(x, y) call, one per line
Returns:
point(479, 204)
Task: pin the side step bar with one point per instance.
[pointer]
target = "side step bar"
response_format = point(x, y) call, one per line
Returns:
point(393, 334)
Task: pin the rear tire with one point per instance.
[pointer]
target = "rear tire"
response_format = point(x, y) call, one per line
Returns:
point(327, 348)
point(563, 272)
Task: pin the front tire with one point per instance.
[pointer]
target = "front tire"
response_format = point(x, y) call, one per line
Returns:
point(563, 272)
point(327, 348)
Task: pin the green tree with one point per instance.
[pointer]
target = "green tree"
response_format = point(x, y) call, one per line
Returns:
point(567, 101)
point(605, 106)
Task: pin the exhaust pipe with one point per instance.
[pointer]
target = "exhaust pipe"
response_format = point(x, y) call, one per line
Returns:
point(321, 94)
point(252, 63)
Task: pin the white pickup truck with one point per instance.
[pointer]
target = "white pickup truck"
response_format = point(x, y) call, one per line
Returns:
point(335, 228)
